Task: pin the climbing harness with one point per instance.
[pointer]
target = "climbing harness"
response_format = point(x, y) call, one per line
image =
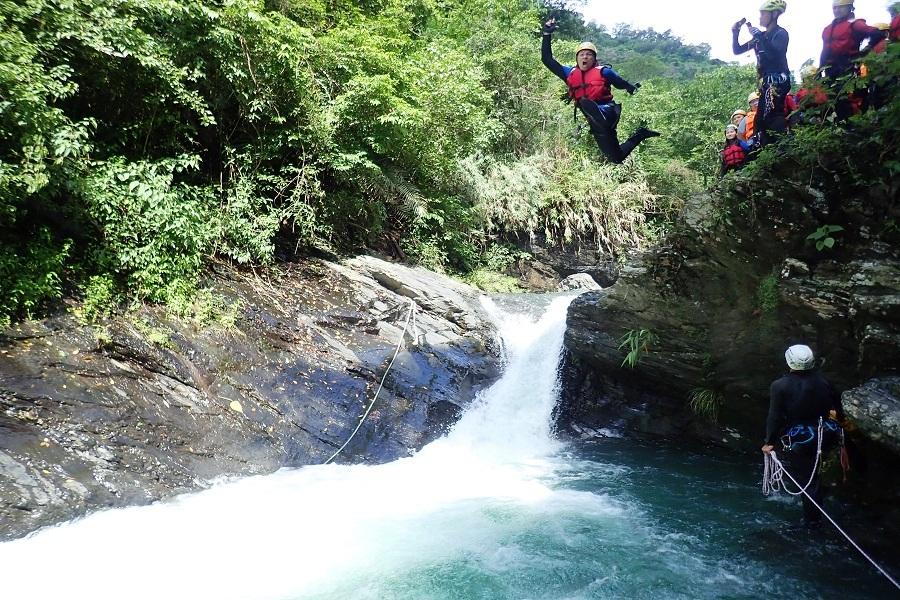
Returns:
point(774, 472)
point(410, 320)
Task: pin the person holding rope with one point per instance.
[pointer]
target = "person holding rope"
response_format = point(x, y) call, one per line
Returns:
point(802, 409)
point(590, 87)
point(770, 47)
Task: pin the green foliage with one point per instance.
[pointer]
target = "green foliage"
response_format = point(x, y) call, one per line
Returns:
point(31, 276)
point(141, 140)
point(101, 298)
point(158, 336)
point(203, 308)
point(767, 296)
point(636, 342)
point(706, 402)
point(822, 236)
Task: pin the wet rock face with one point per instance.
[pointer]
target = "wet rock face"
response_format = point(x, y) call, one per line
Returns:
point(142, 408)
point(875, 409)
point(723, 297)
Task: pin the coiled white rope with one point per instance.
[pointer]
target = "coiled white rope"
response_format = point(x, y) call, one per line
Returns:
point(773, 470)
point(772, 481)
point(410, 318)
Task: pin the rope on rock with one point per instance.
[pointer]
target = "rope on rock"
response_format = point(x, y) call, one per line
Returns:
point(772, 481)
point(410, 318)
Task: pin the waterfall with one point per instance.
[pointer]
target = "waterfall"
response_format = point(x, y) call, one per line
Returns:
point(326, 531)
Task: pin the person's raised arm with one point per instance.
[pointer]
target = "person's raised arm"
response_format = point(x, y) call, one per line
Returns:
point(547, 54)
point(736, 46)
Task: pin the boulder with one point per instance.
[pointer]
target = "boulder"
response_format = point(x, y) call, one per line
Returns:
point(148, 404)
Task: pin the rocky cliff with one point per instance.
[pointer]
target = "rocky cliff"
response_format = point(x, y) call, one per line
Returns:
point(141, 407)
point(709, 313)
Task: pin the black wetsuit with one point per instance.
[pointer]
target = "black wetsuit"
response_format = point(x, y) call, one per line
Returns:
point(801, 398)
point(775, 79)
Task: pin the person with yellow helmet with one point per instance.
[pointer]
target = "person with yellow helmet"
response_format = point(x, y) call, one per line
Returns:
point(590, 87)
point(738, 116)
point(841, 42)
point(770, 47)
point(842, 38)
point(746, 127)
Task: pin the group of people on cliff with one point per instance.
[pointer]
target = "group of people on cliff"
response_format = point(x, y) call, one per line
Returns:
point(773, 108)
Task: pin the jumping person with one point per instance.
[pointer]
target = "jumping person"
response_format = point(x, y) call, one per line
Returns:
point(590, 88)
point(798, 403)
point(770, 47)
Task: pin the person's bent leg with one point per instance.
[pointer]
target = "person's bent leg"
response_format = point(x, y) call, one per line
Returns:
point(639, 135)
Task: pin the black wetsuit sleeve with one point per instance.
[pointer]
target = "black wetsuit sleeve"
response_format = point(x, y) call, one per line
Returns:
point(776, 409)
point(616, 80)
point(548, 60)
point(736, 47)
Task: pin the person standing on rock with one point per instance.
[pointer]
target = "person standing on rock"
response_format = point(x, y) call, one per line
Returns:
point(590, 87)
point(803, 406)
point(770, 47)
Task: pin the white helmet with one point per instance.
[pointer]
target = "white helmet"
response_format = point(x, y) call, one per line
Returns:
point(800, 358)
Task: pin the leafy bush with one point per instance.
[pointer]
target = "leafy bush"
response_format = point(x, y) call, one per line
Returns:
point(31, 276)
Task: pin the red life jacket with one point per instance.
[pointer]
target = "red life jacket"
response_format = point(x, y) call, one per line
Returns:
point(590, 83)
point(895, 29)
point(814, 96)
point(733, 155)
point(842, 39)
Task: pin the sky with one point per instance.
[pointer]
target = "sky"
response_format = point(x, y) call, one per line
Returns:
point(709, 21)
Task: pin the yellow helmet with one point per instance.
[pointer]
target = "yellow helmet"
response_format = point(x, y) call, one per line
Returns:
point(836, 3)
point(809, 71)
point(753, 96)
point(774, 5)
point(881, 26)
point(740, 112)
point(586, 46)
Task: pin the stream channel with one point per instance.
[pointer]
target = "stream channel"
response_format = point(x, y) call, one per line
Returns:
point(497, 509)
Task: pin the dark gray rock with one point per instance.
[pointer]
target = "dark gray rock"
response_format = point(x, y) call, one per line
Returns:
point(140, 408)
point(875, 409)
point(578, 281)
point(723, 297)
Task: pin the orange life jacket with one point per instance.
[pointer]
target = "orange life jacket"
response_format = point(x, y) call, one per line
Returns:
point(842, 39)
point(733, 155)
point(748, 128)
point(590, 83)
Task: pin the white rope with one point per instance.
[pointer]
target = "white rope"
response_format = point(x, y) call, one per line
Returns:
point(773, 470)
point(411, 315)
point(778, 468)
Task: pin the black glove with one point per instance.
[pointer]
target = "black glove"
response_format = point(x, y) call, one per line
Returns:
point(631, 90)
point(549, 27)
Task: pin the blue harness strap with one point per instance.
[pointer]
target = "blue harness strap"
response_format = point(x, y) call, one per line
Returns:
point(804, 434)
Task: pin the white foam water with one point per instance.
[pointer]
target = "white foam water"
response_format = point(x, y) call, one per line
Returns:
point(307, 532)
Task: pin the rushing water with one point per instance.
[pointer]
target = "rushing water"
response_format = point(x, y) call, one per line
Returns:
point(496, 509)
